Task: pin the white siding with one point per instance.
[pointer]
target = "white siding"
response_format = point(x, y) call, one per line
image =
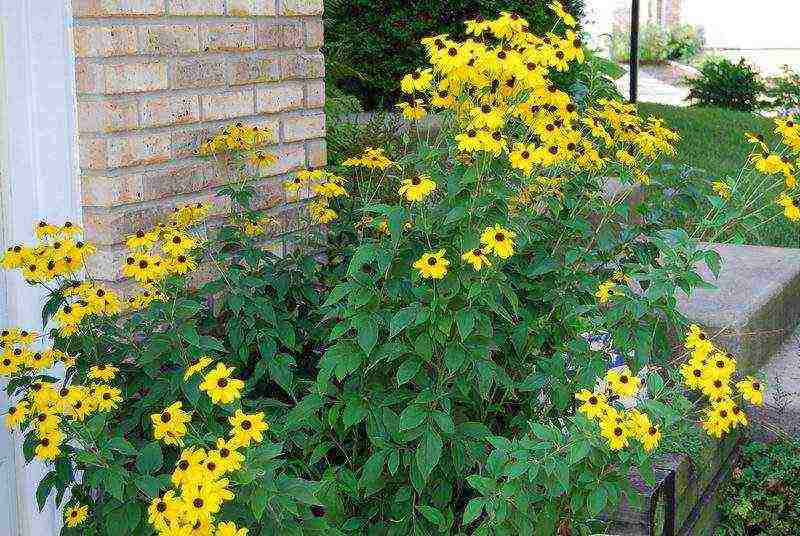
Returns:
point(746, 24)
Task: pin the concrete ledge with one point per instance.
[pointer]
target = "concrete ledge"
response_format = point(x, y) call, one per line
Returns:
point(756, 304)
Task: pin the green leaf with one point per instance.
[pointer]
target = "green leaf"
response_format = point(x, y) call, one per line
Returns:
point(149, 485)
point(578, 451)
point(373, 468)
point(258, 501)
point(367, 333)
point(428, 453)
point(411, 417)
point(150, 459)
point(473, 510)
point(466, 321)
point(433, 515)
point(402, 319)
point(408, 370)
point(596, 501)
point(454, 357)
point(339, 291)
point(122, 445)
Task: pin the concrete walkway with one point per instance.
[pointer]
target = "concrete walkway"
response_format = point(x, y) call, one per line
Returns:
point(653, 90)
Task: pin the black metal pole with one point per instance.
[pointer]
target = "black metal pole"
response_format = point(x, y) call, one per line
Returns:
point(634, 63)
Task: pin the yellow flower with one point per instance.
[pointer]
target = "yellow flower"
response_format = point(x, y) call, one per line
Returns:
point(790, 208)
point(227, 456)
point(752, 390)
point(220, 386)
point(199, 504)
point(419, 80)
point(499, 241)
point(10, 363)
point(141, 240)
point(230, 529)
point(594, 404)
point(164, 511)
point(432, 265)
point(189, 467)
point(418, 188)
point(247, 428)
point(477, 258)
point(17, 414)
point(622, 382)
point(76, 515)
point(49, 448)
point(261, 159)
point(170, 424)
point(107, 398)
point(721, 189)
point(470, 141)
point(321, 212)
point(615, 433)
point(104, 373)
point(414, 110)
point(177, 243)
point(522, 158)
point(193, 369)
point(605, 291)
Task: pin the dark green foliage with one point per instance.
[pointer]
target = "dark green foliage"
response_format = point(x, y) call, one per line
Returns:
point(736, 86)
point(371, 44)
point(762, 496)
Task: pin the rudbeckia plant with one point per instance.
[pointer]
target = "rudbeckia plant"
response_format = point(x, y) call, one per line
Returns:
point(420, 356)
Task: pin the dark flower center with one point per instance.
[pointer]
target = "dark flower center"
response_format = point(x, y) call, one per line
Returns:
point(432, 261)
point(222, 383)
point(593, 400)
point(617, 431)
point(246, 425)
point(166, 417)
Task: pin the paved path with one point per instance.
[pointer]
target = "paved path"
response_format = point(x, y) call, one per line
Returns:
point(653, 90)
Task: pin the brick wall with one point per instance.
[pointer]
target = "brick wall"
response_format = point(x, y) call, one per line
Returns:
point(155, 77)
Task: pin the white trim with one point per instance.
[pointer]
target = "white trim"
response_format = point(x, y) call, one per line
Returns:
point(39, 172)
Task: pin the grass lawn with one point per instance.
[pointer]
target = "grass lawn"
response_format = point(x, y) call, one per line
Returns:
point(713, 142)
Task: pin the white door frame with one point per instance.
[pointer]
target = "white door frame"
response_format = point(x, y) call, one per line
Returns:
point(39, 176)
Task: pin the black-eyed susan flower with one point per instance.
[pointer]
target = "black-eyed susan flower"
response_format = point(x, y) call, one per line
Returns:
point(413, 109)
point(417, 188)
point(789, 205)
point(169, 426)
point(432, 265)
point(17, 414)
point(498, 241)
point(418, 81)
point(469, 141)
point(104, 373)
point(247, 428)
point(141, 240)
point(752, 390)
point(227, 455)
point(477, 258)
point(594, 404)
point(49, 447)
point(622, 382)
point(615, 431)
point(76, 515)
point(321, 212)
point(221, 386)
point(164, 511)
point(189, 467)
point(107, 398)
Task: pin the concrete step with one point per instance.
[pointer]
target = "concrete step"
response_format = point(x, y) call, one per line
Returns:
point(781, 410)
point(756, 304)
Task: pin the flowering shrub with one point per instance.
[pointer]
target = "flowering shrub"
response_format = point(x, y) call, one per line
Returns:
point(423, 360)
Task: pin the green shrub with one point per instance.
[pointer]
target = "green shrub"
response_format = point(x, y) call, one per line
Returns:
point(784, 90)
point(658, 44)
point(374, 43)
point(725, 84)
point(762, 496)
